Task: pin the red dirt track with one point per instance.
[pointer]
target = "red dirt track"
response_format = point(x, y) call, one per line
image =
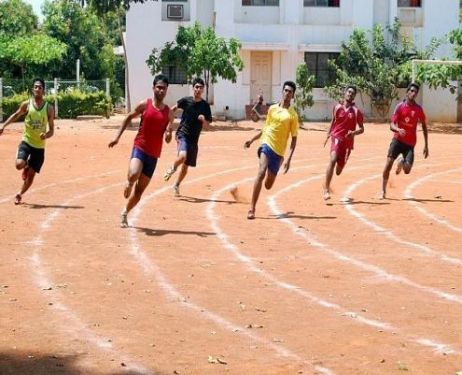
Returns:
point(193, 287)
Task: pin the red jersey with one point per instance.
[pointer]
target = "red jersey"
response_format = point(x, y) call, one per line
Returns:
point(345, 119)
point(406, 116)
point(152, 127)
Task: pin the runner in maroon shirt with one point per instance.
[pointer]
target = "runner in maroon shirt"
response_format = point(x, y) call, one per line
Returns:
point(342, 132)
point(155, 116)
point(404, 124)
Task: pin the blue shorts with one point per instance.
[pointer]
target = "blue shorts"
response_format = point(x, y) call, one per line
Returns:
point(274, 160)
point(191, 150)
point(149, 162)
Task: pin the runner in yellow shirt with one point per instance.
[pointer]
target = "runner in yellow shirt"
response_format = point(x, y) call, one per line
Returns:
point(38, 126)
point(281, 121)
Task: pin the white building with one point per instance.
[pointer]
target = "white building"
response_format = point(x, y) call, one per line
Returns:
point(277, 35)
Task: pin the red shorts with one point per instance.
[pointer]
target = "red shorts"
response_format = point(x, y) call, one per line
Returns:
point(342, 149)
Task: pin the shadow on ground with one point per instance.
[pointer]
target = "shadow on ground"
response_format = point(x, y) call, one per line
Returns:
point(163, 232)
point(292, 215)
point(20, 363)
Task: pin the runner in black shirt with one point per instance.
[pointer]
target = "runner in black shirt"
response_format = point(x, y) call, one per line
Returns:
point(196, 115)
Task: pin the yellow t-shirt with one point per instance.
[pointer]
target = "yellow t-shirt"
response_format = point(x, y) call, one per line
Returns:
point(35, 123)
point(280, 123)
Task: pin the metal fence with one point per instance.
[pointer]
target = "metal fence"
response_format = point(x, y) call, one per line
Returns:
point(10, 87)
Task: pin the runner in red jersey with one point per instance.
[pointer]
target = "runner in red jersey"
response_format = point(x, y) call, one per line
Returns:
point(404, 124)
point(155, 116)
point(342, 132)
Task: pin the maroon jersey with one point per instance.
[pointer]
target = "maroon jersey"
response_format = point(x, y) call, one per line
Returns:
point(406, 116)
point(152, 127)
point(345, 119)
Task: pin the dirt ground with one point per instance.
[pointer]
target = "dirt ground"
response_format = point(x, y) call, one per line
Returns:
point(192, 287)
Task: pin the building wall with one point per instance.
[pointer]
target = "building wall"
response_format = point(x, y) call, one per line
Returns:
point(288, 30)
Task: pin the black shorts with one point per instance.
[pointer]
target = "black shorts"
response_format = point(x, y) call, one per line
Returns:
point(33, 156)
point(397, 148)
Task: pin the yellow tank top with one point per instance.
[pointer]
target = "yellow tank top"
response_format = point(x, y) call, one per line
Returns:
point(35, 123)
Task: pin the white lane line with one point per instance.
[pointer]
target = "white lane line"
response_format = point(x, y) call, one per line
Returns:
point(421, 209)
point(71, 181)
point(390, 234)
point(379, 272)
point(151, 269)
point(435, 346)
point(74, 325)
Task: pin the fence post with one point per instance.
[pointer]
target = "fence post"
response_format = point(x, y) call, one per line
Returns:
point(108, 92)
point(1, 99)
point(56, 96)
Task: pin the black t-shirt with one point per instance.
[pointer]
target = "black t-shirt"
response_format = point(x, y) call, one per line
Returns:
point(190, 126)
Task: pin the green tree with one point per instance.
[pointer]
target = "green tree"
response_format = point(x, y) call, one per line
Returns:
point(377, 67)
point(28, 52)
point(86, 36)
point(17, 18)
point(199, 52)
point(303, 96)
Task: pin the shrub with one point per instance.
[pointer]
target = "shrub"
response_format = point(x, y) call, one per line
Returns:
point(70, 104)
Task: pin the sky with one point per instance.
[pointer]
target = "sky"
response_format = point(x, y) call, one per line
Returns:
point(36, 4)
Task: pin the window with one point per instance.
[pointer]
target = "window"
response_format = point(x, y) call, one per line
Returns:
point(175, 11)
point(321, 3)
point(409, 3)
point(317, 65)
point(175, 74)
point(260, 2)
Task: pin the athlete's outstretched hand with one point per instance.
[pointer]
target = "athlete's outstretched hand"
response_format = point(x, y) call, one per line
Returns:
point(286, 166)
point(425, 152)
point(113, 143)
point(247, 144)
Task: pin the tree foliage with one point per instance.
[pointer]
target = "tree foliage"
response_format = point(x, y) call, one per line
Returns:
point(17, 18)
point(25, 51)
point(199, 52)
point(305, 83)
point(378, 67)
point(86, 36)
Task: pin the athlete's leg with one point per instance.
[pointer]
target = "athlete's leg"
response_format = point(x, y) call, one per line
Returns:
point(386, 176)
point(329, 174)
point(181, 176)
point(20, 164)
point(262, 169)
point(25, 186)
point(408, 160)
point(134, 171)
point(140, 186)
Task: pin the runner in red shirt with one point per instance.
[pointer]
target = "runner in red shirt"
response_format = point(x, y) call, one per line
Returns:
point(342, 132)
point(404, 124)
point(155, 116)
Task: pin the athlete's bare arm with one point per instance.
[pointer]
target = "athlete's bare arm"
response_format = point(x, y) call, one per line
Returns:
point(23, 108)
point(394, 128)
point(328, 131)
point(254, 138)
point(51, 123)
point(352, 133)
point(169, 129)
point(293, 143)
point(205, 123)
point(425, 133)
point(138, 111)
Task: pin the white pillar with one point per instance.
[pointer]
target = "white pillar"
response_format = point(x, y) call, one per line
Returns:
point(56, 96)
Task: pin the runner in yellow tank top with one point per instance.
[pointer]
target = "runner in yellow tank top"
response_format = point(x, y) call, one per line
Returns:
point(38, 126)
point(281, 122)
